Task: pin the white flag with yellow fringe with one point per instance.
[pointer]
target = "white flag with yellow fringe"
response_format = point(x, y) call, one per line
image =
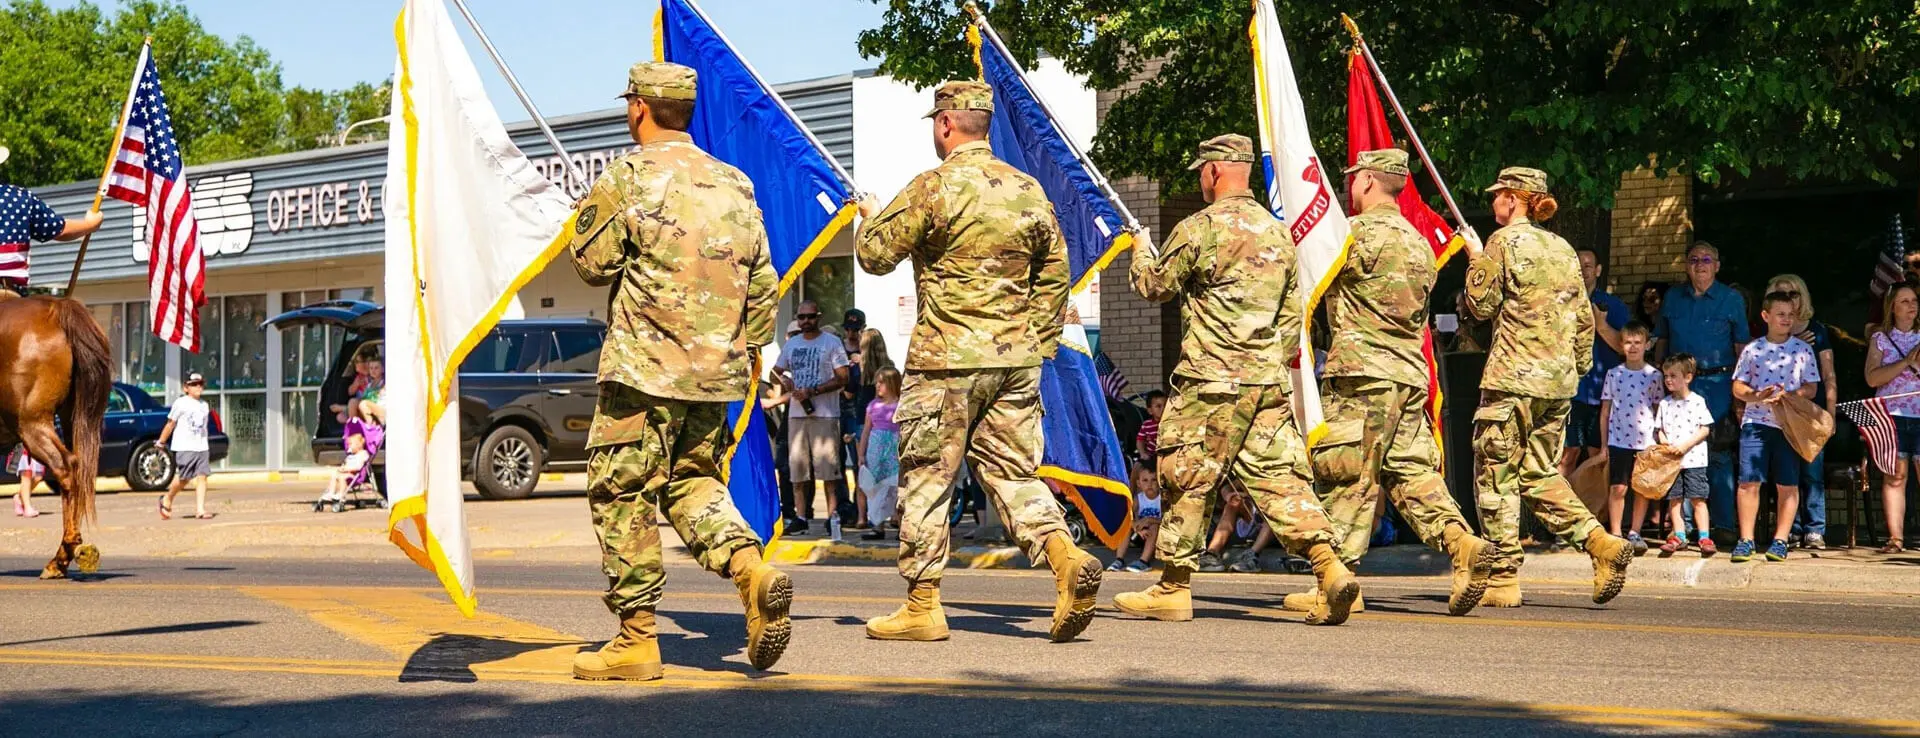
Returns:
point(469, 222)
point(1300, 192)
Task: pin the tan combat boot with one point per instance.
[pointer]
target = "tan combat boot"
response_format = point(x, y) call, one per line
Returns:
point(1171, 599)
point(1503, 589)
point(1473, 559)
point(1306, 601)
point(921, 619)
point(633, 654)
point(767, 594)
point(1611, 555)
point(1339, 589)
point(1076, 583)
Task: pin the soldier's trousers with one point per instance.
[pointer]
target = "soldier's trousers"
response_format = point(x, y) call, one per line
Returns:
point(1518, 440)
point(1378, 437)
point(991, 419)
point(672, 461)
point(1212, 428)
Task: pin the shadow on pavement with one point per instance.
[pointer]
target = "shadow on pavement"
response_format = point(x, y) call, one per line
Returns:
point(451, 657)
point(73, 575)
point(330, 706)
point(147, 631)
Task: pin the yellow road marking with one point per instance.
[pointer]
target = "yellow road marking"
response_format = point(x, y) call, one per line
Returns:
point(1209, 696)
point(431, 596)
point(426, 631)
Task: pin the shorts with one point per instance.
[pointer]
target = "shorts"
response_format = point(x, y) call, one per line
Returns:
point(813, 450)
point(1620, 466)
point(190, 465)
point(1583, 426)
point(1765, 456)
point(1906, 437)
point(1690, 485)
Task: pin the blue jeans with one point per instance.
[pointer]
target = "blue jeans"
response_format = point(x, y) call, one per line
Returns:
point(1717, 390)
point(1812, 518)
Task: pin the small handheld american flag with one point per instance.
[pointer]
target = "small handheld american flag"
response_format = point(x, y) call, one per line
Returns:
point(148, 172)
point(1876, 426)
point(1111, 380)
point(1892, 267)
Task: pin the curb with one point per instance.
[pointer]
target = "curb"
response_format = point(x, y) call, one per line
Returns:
point(1834, 577)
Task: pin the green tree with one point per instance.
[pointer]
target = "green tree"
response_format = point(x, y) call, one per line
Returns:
point(1587, 91)
point(64, 75)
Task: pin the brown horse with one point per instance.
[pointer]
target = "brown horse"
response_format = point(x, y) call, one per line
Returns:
point(55, 363)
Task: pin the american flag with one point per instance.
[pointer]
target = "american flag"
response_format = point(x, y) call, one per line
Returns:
point(1876, 426)
point(1892, 267)
point(1111, 380)
point(148, 172)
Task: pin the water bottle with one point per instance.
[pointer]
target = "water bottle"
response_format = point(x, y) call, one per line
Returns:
point(833, 527)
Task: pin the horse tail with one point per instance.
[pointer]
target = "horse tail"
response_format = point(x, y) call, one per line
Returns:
point(92, 383)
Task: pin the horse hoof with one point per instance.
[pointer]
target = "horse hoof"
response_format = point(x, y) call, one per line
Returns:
point(52, 572)
point(88, 558)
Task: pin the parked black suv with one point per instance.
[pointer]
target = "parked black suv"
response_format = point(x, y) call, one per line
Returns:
point(527, 393)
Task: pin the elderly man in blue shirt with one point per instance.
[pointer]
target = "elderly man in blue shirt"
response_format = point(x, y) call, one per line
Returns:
point(1610, 315)
point(1708, 320)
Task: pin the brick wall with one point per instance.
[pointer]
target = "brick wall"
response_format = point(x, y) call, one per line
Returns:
point(1652, 228)
point(1132, 330)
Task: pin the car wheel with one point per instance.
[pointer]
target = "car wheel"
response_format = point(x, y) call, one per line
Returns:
point(150, 468)
point(508, 465)
point(1076, 526)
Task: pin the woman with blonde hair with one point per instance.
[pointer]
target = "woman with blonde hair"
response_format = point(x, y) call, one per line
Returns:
point(1810, 525)
point(1893, 368)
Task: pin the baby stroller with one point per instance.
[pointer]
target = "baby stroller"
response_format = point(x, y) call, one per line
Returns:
point(362, 491)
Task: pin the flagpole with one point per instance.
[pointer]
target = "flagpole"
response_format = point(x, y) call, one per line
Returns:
point(845, 178)
point(1412, 135)
point(113, 155)
point(1098, 177)
point(573, 168)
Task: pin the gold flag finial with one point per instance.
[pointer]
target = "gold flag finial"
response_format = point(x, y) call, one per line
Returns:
point(1352, 29)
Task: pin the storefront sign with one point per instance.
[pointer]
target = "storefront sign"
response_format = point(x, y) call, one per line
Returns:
point(323, 206)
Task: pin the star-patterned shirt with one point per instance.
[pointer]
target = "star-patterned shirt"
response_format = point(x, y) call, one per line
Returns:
point(1764, 364)
point(23, 219)
point(1634, 394)
point(1681, 417)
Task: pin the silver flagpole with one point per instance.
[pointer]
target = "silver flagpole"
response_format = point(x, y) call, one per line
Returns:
point(573, 168)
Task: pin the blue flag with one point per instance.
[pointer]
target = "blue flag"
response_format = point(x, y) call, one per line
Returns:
point(1082, 456)
point(801, 194)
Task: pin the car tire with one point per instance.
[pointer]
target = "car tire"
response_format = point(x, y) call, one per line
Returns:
point(149, 467)
point(508, 464)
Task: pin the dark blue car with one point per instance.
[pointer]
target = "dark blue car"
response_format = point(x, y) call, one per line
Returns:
point(130, 442)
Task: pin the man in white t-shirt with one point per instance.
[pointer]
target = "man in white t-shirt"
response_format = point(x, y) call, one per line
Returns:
point(187, 425)
point(813, 367)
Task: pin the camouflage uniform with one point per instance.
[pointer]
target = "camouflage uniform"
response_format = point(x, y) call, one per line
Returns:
point(678, 236)
point(1233, 267)
point(1375, 382)
point(1527, 281)
point(990, 265)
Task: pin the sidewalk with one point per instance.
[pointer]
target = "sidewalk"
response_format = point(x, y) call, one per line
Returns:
point(267, 519)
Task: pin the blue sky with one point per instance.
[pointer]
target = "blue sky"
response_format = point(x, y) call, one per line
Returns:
point(571, 55)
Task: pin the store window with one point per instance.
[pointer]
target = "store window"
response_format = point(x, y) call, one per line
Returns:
point(144, 355)
point(233, 359)
point(828, 282)
point(306, 354)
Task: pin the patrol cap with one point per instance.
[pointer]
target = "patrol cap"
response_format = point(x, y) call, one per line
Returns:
point(665, 80)
point(1384, 161)
point(1230, 147)
point(962, 94)
point(1524, 179)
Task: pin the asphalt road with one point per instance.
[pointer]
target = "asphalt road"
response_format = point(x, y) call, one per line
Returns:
point(252, 646)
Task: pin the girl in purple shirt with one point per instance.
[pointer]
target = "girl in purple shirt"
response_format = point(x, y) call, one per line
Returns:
point(880, 453)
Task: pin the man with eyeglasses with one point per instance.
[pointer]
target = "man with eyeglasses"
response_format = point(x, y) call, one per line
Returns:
point(813, 367)
point(1708, 320)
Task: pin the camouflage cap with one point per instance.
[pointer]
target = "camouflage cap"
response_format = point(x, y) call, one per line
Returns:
point(1385, 161)
point(1524, 179)
point(962, 95)
point(661, 79)
point(1230, 147)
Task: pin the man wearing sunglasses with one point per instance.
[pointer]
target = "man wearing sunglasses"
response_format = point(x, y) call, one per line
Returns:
point(1708, 320)
point(813, 366)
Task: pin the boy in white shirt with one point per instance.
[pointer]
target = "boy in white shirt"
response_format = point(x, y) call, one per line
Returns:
point(1684, 423)
point(1768, 370)
point(1628, 398)
point(187, 427)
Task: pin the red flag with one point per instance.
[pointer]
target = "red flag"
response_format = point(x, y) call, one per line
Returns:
point(1367, 131)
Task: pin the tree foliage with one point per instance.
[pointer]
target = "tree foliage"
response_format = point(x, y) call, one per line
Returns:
point(1586, 90)
point(64, 75)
